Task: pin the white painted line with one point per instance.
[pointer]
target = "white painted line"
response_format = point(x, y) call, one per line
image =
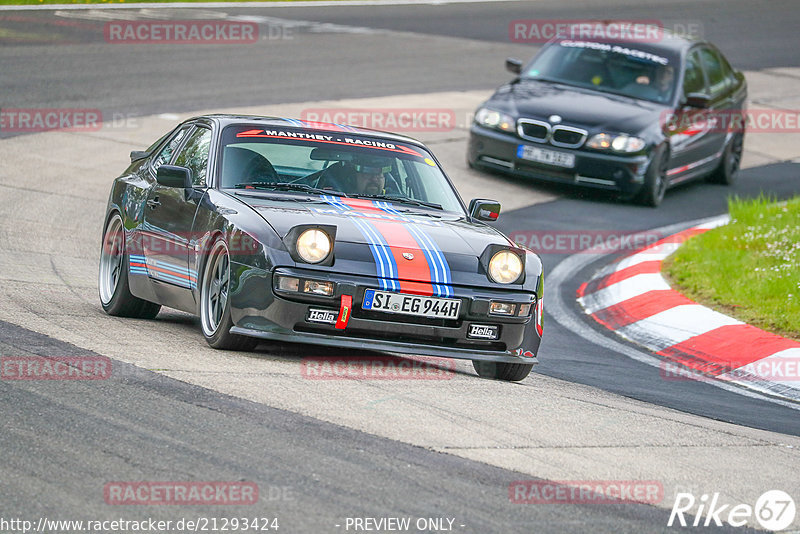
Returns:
point(781, 367)
point(622, 291)
point(674, 326)
point(657, 253)
point(720, 221)
point(322, 3)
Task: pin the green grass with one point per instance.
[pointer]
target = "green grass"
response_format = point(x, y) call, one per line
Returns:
point(750, 268)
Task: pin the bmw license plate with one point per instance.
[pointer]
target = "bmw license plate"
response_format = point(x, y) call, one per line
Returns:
point(543, 155)
point(411, 304)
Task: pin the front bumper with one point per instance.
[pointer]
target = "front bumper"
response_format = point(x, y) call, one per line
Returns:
point(260, 311)
point(498, 151)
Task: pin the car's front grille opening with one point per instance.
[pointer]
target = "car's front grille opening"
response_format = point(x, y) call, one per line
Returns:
point(565, 136)
point(545, 172)
point(533, 130)
point(435, 341)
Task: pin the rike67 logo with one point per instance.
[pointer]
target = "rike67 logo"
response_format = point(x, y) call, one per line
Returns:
point(774, 510)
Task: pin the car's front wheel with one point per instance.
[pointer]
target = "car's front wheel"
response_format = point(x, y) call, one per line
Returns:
point(511, 372)
point(655, 179)
point(728, 168)
point(215, 303)
point(115, 295)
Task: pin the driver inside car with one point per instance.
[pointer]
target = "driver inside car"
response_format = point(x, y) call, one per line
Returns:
point(361, 176)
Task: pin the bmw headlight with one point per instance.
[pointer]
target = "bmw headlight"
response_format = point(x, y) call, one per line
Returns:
point(618, 143)
point(505, 267)
point(313, 245)
point(495, 119)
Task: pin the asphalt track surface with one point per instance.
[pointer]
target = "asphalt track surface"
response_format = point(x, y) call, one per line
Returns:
point(161, 427)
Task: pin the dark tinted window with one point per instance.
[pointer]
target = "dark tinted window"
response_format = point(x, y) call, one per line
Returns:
point(195, 155)
point(693, 81)
point(633, 71)
point(717, 77)
point(165, 155)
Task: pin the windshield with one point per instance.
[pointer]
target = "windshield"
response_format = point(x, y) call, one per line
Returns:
point(610, 68)
point(314, 162)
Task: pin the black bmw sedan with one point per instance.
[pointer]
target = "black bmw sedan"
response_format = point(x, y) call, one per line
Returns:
point(631, 117)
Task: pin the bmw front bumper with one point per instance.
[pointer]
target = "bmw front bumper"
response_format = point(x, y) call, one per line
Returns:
point(499, 151)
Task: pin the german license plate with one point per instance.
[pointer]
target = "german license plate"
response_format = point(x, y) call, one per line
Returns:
point(411, 304)
point(543, 155)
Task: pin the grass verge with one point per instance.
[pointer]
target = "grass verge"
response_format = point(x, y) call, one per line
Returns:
point(750, 268)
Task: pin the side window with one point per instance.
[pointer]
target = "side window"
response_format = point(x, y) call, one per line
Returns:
point(165, 155)
point(195, 155)
point(693, 81)
point(717, 79)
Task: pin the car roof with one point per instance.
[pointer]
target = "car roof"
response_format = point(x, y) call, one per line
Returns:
point(224, 120)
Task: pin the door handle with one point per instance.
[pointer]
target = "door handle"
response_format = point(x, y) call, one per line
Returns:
point(153, 203)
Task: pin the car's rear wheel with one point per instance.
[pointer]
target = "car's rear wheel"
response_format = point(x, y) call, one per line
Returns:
point(728, 168)
point(512, 372)
point(115, 295)
point(655, 180)
point(215, 302)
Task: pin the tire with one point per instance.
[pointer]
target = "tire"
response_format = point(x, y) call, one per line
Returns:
point(215, 304)
point(511, 372)
point(728, 169)
point(655, 180)
point(115, 294)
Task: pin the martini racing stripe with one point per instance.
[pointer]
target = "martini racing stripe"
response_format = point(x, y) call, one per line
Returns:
point(440, 270)
point(384, 260)
point(404, 236)
point(137, 264)
point(164, 271)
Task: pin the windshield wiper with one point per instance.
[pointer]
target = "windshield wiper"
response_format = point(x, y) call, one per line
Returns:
point(289, 186)
point(402, 200)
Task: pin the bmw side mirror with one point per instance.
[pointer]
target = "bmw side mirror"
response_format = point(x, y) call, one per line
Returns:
point(484, 210)
point(174, 176)
point(698, 100)
point(514, 65)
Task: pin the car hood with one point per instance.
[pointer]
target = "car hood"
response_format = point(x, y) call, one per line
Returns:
point(592, 110)
point(361, 226)
point(450, 232)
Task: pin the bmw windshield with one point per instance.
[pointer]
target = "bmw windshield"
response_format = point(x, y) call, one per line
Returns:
point(319, 162)
point(622, 69)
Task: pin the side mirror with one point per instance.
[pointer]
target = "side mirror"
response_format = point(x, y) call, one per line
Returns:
point(698, 100)
point(484, 210)
point(174, 176)
point(514, 65)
